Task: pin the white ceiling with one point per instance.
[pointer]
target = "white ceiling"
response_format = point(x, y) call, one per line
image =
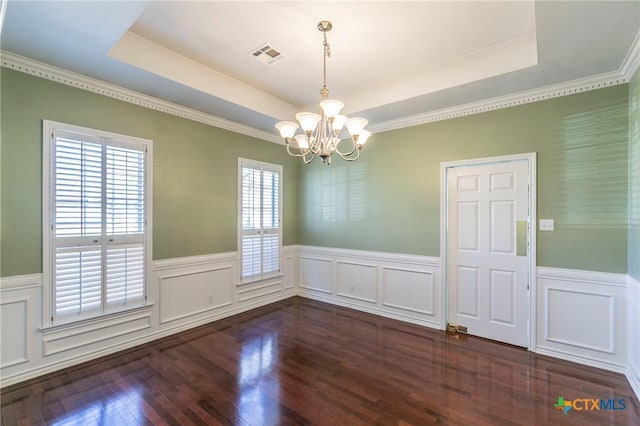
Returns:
point(390, 59)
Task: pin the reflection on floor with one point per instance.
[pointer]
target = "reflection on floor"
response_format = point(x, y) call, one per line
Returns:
point(305, 362)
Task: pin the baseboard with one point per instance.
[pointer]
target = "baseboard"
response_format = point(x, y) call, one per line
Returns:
point(109, 350)
point(584, 360)
point(633, 376)
point(374, 311)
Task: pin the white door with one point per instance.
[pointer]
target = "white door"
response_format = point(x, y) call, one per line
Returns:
point(487, 249)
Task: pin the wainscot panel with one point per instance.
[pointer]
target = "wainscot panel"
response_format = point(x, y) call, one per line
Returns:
point(582, 317)
point(404, 287)
point(194, 292)
point(20, 319)
point(14, 326)
point(357, 281)
point(409, 289)
point(315, 274)
point(182, 293)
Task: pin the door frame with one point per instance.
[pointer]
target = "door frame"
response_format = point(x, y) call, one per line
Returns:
point(531, 158)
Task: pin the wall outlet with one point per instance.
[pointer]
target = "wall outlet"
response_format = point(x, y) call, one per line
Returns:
point(546, 224)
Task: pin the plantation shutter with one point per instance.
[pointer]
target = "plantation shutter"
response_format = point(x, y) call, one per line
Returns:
point(98, 225)
point(260, 220)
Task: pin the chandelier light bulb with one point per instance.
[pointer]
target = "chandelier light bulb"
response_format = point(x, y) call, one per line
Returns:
point(308, 121)
point(287, 129)
point(355, 125)
point(362, 138)
point(338, 122)
point(301, 141)
point(331, 107)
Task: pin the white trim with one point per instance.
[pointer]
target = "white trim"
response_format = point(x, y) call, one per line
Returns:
point(59, 75)
point(633, 335)
point(3, 11)
point(369, 309)
point(613, 325)
point(48, 237)
point(263, 166)
point(370, 255)
point(581, 359)
point(507, 101)
point(32, 281)
point(182, 262)
point(107, 350)
point(329, 280)
point(65, 336)
point(610, 350)
point(591, 277)
point(530, 158)
point(26, 349)
point(633, 377)
point(18, 282)
point(631, 62)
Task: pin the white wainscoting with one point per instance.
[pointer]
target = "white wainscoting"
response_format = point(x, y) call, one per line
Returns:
point(195, 288)
point(20, 317)
point(633, 341)
point(182, 293)
point(404, 287)
point(587, 317)
point(582, 317)
point(14, 321)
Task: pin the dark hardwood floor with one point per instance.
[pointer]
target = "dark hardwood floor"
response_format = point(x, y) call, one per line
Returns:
point(305, 362)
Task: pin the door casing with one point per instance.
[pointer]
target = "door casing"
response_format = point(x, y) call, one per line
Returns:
point(531, 158)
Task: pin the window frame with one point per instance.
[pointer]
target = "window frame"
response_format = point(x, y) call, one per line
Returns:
point(242, 162)
point(48, 218)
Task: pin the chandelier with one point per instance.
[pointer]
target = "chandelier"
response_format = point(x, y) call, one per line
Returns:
point(322, 131)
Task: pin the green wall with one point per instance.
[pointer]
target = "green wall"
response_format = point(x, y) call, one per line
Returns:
point(634, 177)
point(194, 171)
point(391, 201)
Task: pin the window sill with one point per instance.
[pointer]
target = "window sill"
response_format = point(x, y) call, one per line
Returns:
point(95, 321)
point(259, 280)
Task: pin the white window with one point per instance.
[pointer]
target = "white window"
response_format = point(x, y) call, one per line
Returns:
point(96, 210)
point(259, 206)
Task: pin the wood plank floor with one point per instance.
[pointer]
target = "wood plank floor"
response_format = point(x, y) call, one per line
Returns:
point(305, 362)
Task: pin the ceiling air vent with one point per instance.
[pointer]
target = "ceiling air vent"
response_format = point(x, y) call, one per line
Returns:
point(267, 54)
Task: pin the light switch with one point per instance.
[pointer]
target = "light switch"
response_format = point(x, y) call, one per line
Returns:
point(546, 224)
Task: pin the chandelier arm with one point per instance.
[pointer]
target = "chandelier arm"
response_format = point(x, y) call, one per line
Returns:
point(348, 158)
point(293, 154)
point(347, 154)
point(304, 158)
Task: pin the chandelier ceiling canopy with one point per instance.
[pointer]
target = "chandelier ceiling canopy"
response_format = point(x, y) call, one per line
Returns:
point(321, 132)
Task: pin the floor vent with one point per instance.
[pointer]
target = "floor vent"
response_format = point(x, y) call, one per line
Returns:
point(454, 328)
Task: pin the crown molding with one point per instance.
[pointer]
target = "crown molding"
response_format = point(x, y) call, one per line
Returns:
point(492, 104)
point(631, 62)
point(625, 73)
point(69, 78)
point(627, 70)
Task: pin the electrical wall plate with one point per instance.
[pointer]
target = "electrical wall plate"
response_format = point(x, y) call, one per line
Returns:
point(546, 224)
